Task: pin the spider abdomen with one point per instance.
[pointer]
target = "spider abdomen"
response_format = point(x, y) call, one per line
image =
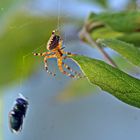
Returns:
point(53, 42)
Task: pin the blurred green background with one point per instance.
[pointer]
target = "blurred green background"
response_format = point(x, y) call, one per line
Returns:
point(25, 26)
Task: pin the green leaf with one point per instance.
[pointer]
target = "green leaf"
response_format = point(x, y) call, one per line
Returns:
point(133, 38)
point(110, 79)
point(105, 33)
point(116, 26)
point(127, 50)
point(103, 3)
point(128, 21)
point(108, 33)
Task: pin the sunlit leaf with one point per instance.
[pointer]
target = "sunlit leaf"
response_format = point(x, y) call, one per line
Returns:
point(103, 3)
point(127, 50)
point(128, 21)
point(105, 33)
point(108, 33)
point(110, 79)
point(133, 38)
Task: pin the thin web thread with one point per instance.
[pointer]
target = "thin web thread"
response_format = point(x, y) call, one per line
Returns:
point(31, 53)
point(23, 64)
point(58, 16)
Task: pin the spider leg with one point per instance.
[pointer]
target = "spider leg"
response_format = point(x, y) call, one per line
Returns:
point(60, 64)
point(69, 54)
point(46, 64)
point(61, 48)
point(78, 75)
point(41, 54)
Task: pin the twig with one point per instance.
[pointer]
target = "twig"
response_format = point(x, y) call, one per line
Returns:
point(93, 25)
point(85, 35)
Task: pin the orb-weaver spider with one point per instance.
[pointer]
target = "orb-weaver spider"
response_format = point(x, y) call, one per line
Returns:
point(55, 50)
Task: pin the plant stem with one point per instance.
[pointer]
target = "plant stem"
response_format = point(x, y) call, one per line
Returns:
point(85, 35)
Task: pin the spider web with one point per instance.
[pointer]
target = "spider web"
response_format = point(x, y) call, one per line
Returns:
point(58, 27)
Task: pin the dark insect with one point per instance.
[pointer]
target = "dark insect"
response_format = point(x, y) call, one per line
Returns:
point(17, 114)
point(55, 50)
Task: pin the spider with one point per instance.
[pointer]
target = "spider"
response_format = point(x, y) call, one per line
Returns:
point(55, 50)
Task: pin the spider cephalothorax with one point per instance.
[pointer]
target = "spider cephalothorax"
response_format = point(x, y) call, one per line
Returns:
point(55, 50)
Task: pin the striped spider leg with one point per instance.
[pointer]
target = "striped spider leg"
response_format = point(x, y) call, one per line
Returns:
point(46, 55)
point(76, 74)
